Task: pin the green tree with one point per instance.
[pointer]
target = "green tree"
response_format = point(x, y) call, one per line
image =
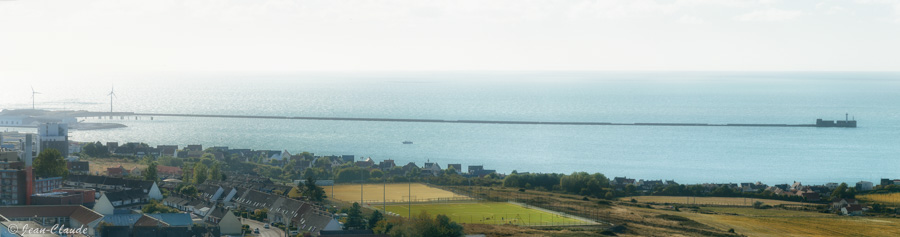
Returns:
point(151, 174)
point(313, 191)
point(170, 161)
point(189, 190)
point(840, 192)
point(376, 174)
point(214, 173)
point(354, 218)
point(50, 163)
point(147, 160)
point(425, 225)
point(200, 173)
point(96, 149)
point(375, 218)
point(155, 207)
point(323, 162)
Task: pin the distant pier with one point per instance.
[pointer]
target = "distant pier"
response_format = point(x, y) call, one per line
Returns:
point(44, 113)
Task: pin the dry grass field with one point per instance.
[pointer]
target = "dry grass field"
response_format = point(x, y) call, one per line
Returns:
point(397, 192)
point(890, 199)
point(720, 201)
point(100, 164)
point(771, 222)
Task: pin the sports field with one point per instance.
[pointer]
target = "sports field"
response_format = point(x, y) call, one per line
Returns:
point(486, 213)
point(396, 193)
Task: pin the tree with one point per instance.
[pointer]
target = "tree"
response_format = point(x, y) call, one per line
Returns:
point(189, 190)
point(313, 191)
point(200, 173)
point(840, 192)
point(376, 174)
point(147, 160)
point(170, 161)
point(155, 207)
point(214, 173)
point(151, 174)
point(374, 219)
point(50, 163)
point(425, 225)
point(96, 149)
point(354, 218)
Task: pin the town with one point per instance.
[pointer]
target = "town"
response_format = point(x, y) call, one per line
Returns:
point(134, 189)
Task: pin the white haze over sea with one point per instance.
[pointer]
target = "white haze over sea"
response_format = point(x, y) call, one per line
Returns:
point(684, 154)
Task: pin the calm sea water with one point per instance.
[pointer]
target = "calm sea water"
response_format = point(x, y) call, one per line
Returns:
point(685, 154)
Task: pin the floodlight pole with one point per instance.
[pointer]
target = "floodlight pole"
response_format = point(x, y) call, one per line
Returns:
point(409, 207)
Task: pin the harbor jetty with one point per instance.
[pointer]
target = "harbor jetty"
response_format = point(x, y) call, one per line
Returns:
point(819, 123)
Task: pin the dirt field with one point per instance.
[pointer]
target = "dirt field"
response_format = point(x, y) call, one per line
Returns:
point(397, 192)
point(721, 201)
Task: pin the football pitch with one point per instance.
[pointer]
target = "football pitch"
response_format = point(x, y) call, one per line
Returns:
point(486, 213)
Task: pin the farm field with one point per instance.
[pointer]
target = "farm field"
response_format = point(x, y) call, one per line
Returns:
point(773, 222)
point(890, 199)
point(722, 201)
point(397, 192)
point(486, 213)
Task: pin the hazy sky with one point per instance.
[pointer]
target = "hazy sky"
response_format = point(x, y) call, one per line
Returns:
point(257, 35)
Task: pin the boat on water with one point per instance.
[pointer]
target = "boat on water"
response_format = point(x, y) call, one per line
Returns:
point(407, 142)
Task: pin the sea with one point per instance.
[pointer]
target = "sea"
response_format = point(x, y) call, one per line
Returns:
point(771, 155)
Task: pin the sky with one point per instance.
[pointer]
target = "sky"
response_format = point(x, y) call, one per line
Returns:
point(425, 35)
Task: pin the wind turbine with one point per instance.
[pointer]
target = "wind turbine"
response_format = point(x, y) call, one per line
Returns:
point(111, 94)
point(32, 96)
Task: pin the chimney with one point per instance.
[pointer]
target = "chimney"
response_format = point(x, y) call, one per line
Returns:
point(28, 154)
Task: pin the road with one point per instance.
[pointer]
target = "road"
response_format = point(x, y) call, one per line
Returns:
point(263, 232)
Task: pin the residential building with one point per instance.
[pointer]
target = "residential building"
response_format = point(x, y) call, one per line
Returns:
point(864, 186)
point(46, 185)
point(168, 171)
point(55, 136)
point(64, 197)
point(116, 172)
point(457, 167)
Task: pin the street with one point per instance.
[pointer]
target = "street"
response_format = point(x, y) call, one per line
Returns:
point(263, 232)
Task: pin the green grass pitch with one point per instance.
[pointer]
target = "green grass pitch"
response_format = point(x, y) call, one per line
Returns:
point(486, 213)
